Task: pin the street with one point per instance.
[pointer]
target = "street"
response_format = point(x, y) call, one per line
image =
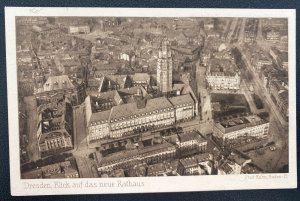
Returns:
point(79, 128)
point(86, 167)
point(278, 125)
point(31, 109)
point(206, 121)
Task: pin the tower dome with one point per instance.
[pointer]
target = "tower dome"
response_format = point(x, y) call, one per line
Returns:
point(222, 47)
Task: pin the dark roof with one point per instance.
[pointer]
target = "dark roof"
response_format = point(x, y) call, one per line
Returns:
point(251, 169)
point(203, 157)
point(188, 162)
point(225, 66)
point(226, 168)
point(239, 159)
point(180, 100)
point(239, 123)
point(283, 56)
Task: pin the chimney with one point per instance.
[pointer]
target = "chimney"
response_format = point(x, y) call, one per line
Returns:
point(141, 103)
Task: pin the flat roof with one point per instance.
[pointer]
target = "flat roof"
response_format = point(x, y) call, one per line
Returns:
point(238, 123)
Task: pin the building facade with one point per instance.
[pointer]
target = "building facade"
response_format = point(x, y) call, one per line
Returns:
point(184, 107)
point(229, 167)
point(191, 142)
point(273, 35)
point(82, 29)
point(55, 127)
point(222, 81)
point(128, 158)
point(57, 88)
point(248, 126)
point(131, 118)
point(188, 166)
point(126, 118)
point(98, 126)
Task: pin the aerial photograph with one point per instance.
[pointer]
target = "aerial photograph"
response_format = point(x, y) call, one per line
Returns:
point(103, 97)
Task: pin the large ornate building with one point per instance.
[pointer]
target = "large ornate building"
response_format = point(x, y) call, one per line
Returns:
point(223, 74)
point(58, 88)
point(55, 127)
point(164, 67)
point(124, 119)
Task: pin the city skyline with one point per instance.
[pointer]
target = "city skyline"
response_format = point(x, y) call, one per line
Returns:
point(131, 97)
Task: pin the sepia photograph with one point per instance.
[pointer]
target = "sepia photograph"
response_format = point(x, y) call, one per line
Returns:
point(138, 96)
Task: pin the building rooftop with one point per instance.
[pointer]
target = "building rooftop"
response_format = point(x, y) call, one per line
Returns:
point(284, 96)
point(203, 157)
point(191, 136)
point(116, 79)
point(141, 77)
point(99, 117)
point(188, 162)
point(158, 148)
point(123, 155)
point(238, 158)
point(225, 167)
point(283, 56)
point(223, 66)
point(131, 109)
point(181, 100)
point(53, 134)
point(238, 123)
point(58, 82)
point(155, 169)
point(251, 169)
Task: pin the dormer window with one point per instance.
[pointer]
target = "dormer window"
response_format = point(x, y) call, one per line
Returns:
point(56, 83)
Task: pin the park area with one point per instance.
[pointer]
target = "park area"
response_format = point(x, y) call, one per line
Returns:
point(228, 104)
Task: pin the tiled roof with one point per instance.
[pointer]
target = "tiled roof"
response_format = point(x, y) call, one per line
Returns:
point(53, 134)
point(203, 157)
point(226, 168)
point(238, 158)
point(180, 100)
point(124, 155)
point(58, 82)
point(100, 117)
point(191, 136)
point(131, 109)
point(137, 77)
point(189, 162)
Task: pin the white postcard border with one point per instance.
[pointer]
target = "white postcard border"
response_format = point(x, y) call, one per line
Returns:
point(145, 184)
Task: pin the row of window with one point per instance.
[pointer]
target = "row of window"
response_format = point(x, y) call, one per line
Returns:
point(147, 113)
point(142, 121)
point(121, 131)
